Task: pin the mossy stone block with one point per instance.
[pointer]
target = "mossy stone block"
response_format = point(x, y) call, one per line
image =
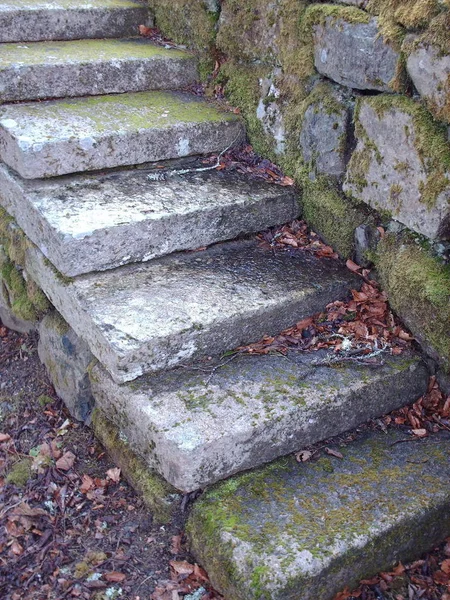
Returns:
point(418, 287)
point(307, 530)
point(401, 164)
point(333, 216)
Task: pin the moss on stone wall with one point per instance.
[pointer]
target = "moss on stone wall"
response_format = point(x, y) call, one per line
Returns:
point(333, 216)
point(418, 286)
point(411, 14)
point(192, 23)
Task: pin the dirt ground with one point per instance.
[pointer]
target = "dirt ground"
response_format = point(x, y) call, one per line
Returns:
point(72, 528)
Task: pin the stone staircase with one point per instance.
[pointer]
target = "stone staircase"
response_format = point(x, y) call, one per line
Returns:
point(106, 243)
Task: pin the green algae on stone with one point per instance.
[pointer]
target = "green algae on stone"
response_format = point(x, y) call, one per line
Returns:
point(322, 530)
point(158, 495)
point(83, 51)
point(418, 287)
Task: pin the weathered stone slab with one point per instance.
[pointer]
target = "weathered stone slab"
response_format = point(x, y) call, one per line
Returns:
point(67, 359)
point(90, 223)
point(196, 427)
point(31, 20)
point(156, 315)
point(401, 164)
point(350, 49)
point(324, 132)
point(429, 70)
point(65, 136)
point(90, 68)
point(308, 530)
point(160, 497)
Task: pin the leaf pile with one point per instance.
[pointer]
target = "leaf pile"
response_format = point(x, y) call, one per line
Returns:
point(243, 159)
point(429, 414)
point(295, 235)
point(359, 330)
point(187, 581)
point(425, 579)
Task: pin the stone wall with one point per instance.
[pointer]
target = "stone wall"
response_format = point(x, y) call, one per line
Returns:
point(352, 99)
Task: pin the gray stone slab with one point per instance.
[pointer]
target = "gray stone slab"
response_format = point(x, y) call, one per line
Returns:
point(90, 67)
point(34, 20)
point(196, 428)
point(401, 164)
point(429, 70)
point(355, 54)
point(324, 131)
point(156, 315)
point(65, 136)
point(306, 531)
point(67, 359)
point(95, 222)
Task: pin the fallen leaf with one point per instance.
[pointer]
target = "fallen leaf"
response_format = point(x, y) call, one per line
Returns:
point(66, 461)
point(445, 566)
point(303, 456)
point(175, 547)
point(181, 567)
point(420, 432)
point(114, 576)
point(16, 548)
point(334, 453)
point(4, 437)
point(114, 474)
point(352, 266)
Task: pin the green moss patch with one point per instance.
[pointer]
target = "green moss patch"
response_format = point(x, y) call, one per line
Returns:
point(20, 473)
point(191, 23)
point(418, 286)
point(158, 495)
point(411, 14)
point(331, 214)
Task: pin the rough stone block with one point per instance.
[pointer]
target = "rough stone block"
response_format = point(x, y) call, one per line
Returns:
point(350, 49)
point(88, 223)
point(401, 164)
point(158, 495)
point(67, 359)
point(196, 427)
point(429, 70)
point(324, 138)
point(31, 20)
point(65, 136)
point(156, 315)
point(91, 68)
point(418, 287)
point(308, 530)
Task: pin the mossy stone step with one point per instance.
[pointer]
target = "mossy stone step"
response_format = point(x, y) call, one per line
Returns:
point(90, 68)
point(86, 223)
point(305, 531)
point(35, 20)
point(157, 315)
point(197, 426)
point(57, 137)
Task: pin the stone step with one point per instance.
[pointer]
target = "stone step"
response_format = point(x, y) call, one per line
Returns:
point(35, 20)
point(88, 223)
point(157, 315)
point(56, 137)
point(306, 531)
point(90, 68)
point(196, 427)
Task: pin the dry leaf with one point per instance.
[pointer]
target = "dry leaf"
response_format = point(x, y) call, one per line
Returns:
point(114, 576)
point(4, 437)
point(114, 474)
point(66, 461)
point(420, 432)
point(181, 567)
point(334, 453)
point(352, 266)
point(303, 456)
point(16, 548)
